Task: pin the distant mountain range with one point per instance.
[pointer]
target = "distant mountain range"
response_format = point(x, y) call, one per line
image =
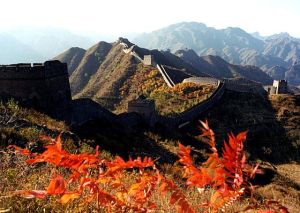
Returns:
point(14, 51)
point(277, 55)
point(188, 45)
point(37, 44)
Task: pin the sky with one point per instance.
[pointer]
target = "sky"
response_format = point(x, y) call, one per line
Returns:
point(116, 17)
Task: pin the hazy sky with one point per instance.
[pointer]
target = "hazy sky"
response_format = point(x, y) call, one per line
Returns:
point(122, 16)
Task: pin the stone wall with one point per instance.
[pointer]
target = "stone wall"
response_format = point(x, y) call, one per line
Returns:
point(41, 86)
point(142, 107)
point(244, 85)
point(281, 86)
point(165, 75)
point(148, 60)
point(193, 113)
point(202, 81)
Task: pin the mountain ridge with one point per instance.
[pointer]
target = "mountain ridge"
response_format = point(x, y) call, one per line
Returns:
point(232, 44)
point(104, 67)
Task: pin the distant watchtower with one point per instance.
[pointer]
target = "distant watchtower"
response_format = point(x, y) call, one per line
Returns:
point(142, 106)
point(41, 86)
point(278, 87)
point(148, 60)
point(281, 86)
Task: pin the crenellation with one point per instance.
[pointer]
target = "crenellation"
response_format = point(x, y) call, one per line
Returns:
point(42, 86)
point(278, 87)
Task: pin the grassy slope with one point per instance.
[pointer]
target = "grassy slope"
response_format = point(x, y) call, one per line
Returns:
point(20, 126)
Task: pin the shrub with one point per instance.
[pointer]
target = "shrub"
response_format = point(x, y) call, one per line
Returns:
point(107, 184)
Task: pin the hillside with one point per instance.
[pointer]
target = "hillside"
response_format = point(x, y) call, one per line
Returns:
point(272, 122)
point(88, 66)
point(72, 57)
point(232, 44)
point(104, 70)
point(109, 76)
point(121, 79)
point(148, 82)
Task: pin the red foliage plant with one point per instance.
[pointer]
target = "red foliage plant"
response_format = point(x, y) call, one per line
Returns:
point(100, 180)
point(228, 175)
point(135, 197)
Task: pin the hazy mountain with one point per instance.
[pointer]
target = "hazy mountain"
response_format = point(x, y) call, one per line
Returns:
point(227, 43)
point(38, 44)
point(258, 36)
point(284, 47)
point(277, 72)
point(14, 51)
point(293, 74)
point(232, 44)
point(282, 35)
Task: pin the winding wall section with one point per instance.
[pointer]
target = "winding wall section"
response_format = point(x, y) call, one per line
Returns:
point(189, 115)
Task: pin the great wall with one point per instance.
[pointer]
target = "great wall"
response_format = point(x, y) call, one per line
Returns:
point(43, 86)
point(192, 113)
point(235, 84)
point(46, 87)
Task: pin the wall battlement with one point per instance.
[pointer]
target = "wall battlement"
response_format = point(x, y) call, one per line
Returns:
point(278, 87)
point(41, 86)
point(33, 71)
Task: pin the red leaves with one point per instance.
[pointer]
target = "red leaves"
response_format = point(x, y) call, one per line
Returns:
point(69, 196)
point(135, 197)
point(234, 159)
point(224, 174)
point(177, 197)
point(119, 164)
point(40, 194)
point(57, 185)
point(19, 150)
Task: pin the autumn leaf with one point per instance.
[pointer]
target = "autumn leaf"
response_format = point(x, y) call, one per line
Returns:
point(57, 185)
point(40, 194)
point(69, 196)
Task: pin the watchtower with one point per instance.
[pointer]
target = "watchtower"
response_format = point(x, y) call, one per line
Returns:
point(281, 86)
point(148, 60)
point(142, 106)
point(41, 86)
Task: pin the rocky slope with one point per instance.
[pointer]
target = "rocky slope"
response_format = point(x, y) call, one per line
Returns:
point(72, 57)
point(101, 70)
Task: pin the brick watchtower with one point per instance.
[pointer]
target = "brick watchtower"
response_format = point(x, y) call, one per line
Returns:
point(41, 86)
